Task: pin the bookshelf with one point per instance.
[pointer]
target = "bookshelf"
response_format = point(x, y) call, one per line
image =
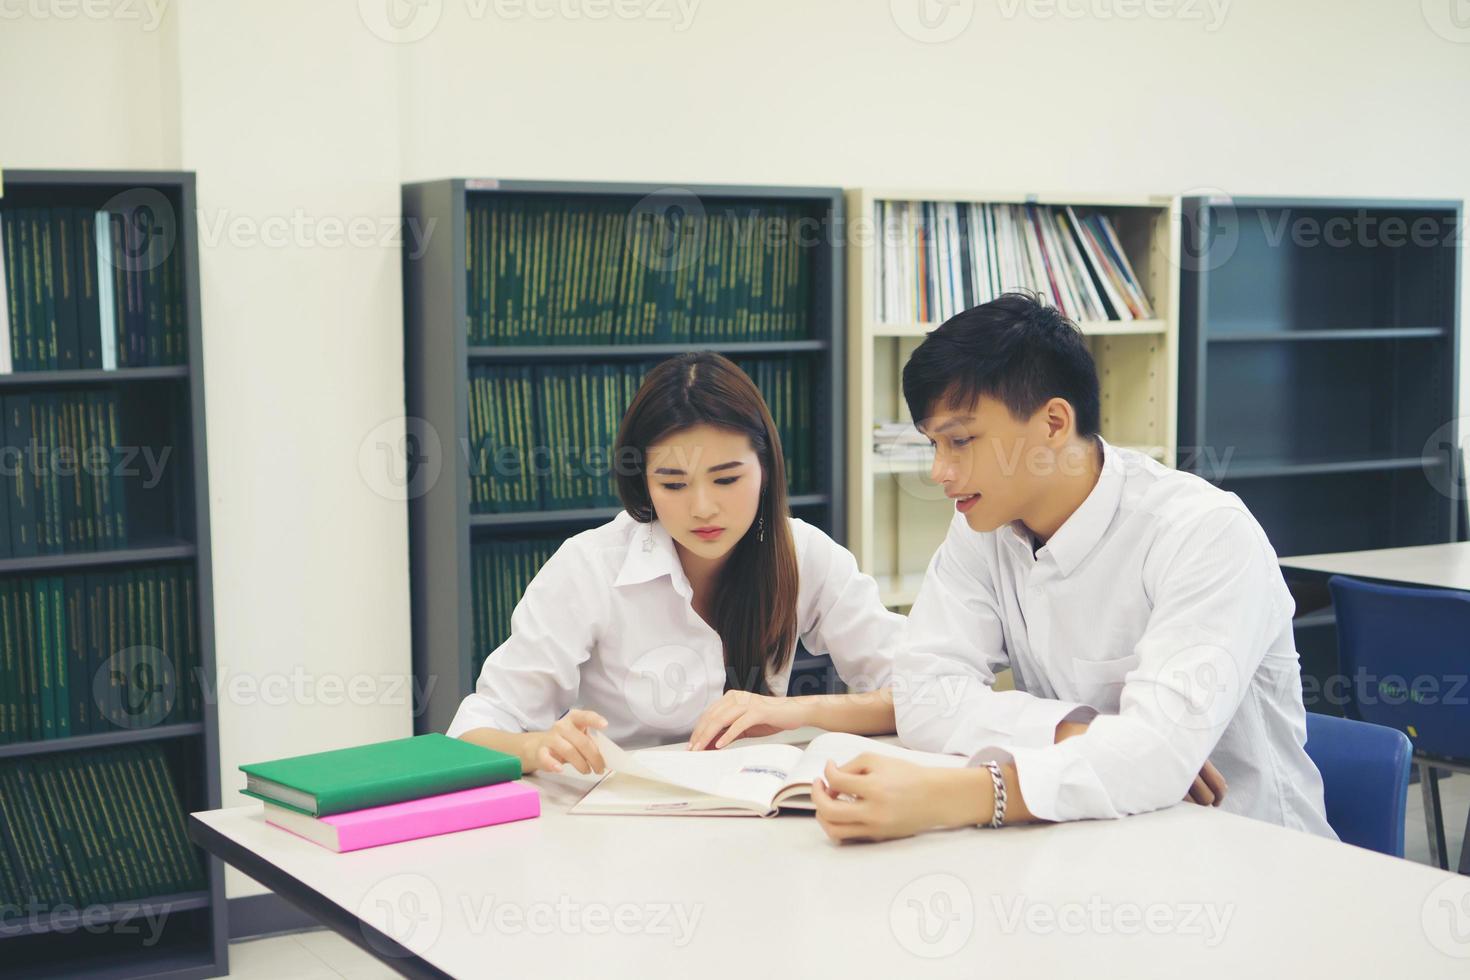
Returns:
point(472, 548)
point(897, 516)
point(154, 741)
point(1319, 375)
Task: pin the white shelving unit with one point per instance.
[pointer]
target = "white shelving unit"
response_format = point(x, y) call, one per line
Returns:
point(897, 517)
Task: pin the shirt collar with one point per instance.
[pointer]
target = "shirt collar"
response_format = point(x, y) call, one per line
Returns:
point(1082, 532)
point(642, 563)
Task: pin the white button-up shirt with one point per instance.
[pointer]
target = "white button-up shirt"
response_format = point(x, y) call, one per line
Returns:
point(608, 624)
point(1158, 612)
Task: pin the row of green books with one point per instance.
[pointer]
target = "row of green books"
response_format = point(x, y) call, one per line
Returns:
point(786, 385)
point(543, 438)
point(545, 270)
point(98, 652)
point(500, 570)
point(62, 472)
point(82, 288)
point(82, 829)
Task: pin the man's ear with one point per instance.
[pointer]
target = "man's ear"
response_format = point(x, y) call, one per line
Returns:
point(1060, 420)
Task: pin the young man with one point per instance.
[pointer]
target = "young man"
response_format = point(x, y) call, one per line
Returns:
point(1140, 609)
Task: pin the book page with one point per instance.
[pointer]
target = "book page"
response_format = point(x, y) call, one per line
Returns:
point(622, 794)
point(842, 748)
point(753, 774)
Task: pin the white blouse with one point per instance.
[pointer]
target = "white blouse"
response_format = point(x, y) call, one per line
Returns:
point(608, 624)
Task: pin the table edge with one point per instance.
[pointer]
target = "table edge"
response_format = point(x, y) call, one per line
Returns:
point(314, 903)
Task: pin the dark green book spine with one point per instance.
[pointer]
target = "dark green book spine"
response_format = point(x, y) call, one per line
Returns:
point(20, 485)
point(61, 692)
point(10, 727)
point(89, 296)
point(79, 678)
point(41, 593)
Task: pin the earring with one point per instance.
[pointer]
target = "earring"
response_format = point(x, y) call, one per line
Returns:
point(762, 533)
point(648, 539)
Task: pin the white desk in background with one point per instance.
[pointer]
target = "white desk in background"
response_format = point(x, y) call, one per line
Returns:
point(1443, 566)
point(1187, 891)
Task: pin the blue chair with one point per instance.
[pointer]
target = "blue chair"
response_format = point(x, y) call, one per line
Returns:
point(1365, 779)
point(1406, 655)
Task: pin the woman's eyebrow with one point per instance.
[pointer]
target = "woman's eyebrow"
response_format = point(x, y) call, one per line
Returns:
point(669, 471)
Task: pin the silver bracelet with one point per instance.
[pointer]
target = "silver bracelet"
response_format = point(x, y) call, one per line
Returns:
point(998, 819)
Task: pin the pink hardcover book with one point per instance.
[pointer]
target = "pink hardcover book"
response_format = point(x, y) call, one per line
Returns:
point(412, 819)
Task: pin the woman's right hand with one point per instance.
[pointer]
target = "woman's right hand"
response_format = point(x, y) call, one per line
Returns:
point(568, 742)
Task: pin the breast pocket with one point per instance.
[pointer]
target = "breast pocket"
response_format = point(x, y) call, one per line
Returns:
point(1100, 682)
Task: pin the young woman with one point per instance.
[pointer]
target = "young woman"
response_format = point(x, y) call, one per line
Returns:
point(680, 617)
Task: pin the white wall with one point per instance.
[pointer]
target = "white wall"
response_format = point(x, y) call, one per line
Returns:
point(295, 114)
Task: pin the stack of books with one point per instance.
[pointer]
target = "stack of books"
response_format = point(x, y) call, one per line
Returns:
point(901, 441)
point(938, 258)
point(386, 792)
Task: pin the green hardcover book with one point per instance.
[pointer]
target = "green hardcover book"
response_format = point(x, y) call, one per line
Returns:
point(324, 783)
point(168, 602)
point(30, 690)
point(51, 287)
point(89, 313)
point(30, 290)
point(61, 685)
point(79, 677)
point(119, 500)
point(132, 640)
point(10, 729)
point(116, 642)
point(63, 470)
point(51, 433)
point(39, 467)
point(21, 502)
point(64, 260)
point(96, 616)
point(99, 464)
point(46, 681)
point(86, 480)
point(14, 291)
point(201, 681)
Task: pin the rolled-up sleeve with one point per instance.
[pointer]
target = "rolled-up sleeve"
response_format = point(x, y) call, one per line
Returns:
point(1213, 604)
point(846, 617)
point(532, 679)
point(943, 693)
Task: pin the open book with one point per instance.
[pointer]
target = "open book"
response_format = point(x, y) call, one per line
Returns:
point(739, 781)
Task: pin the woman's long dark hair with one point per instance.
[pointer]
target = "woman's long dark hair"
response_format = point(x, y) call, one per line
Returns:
point(755, 605)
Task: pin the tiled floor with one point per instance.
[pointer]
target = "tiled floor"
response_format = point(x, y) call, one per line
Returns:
point(323, 955)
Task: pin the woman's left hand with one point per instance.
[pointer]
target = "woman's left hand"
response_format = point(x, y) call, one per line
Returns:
point(741, 714)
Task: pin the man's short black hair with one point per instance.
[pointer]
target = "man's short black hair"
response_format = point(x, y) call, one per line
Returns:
point(1013, 349)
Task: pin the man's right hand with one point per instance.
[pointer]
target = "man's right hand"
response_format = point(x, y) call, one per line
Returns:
point(568, 742)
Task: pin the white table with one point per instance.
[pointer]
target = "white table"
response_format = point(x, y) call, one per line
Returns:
point(1182, 892)
point(1444, 566)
